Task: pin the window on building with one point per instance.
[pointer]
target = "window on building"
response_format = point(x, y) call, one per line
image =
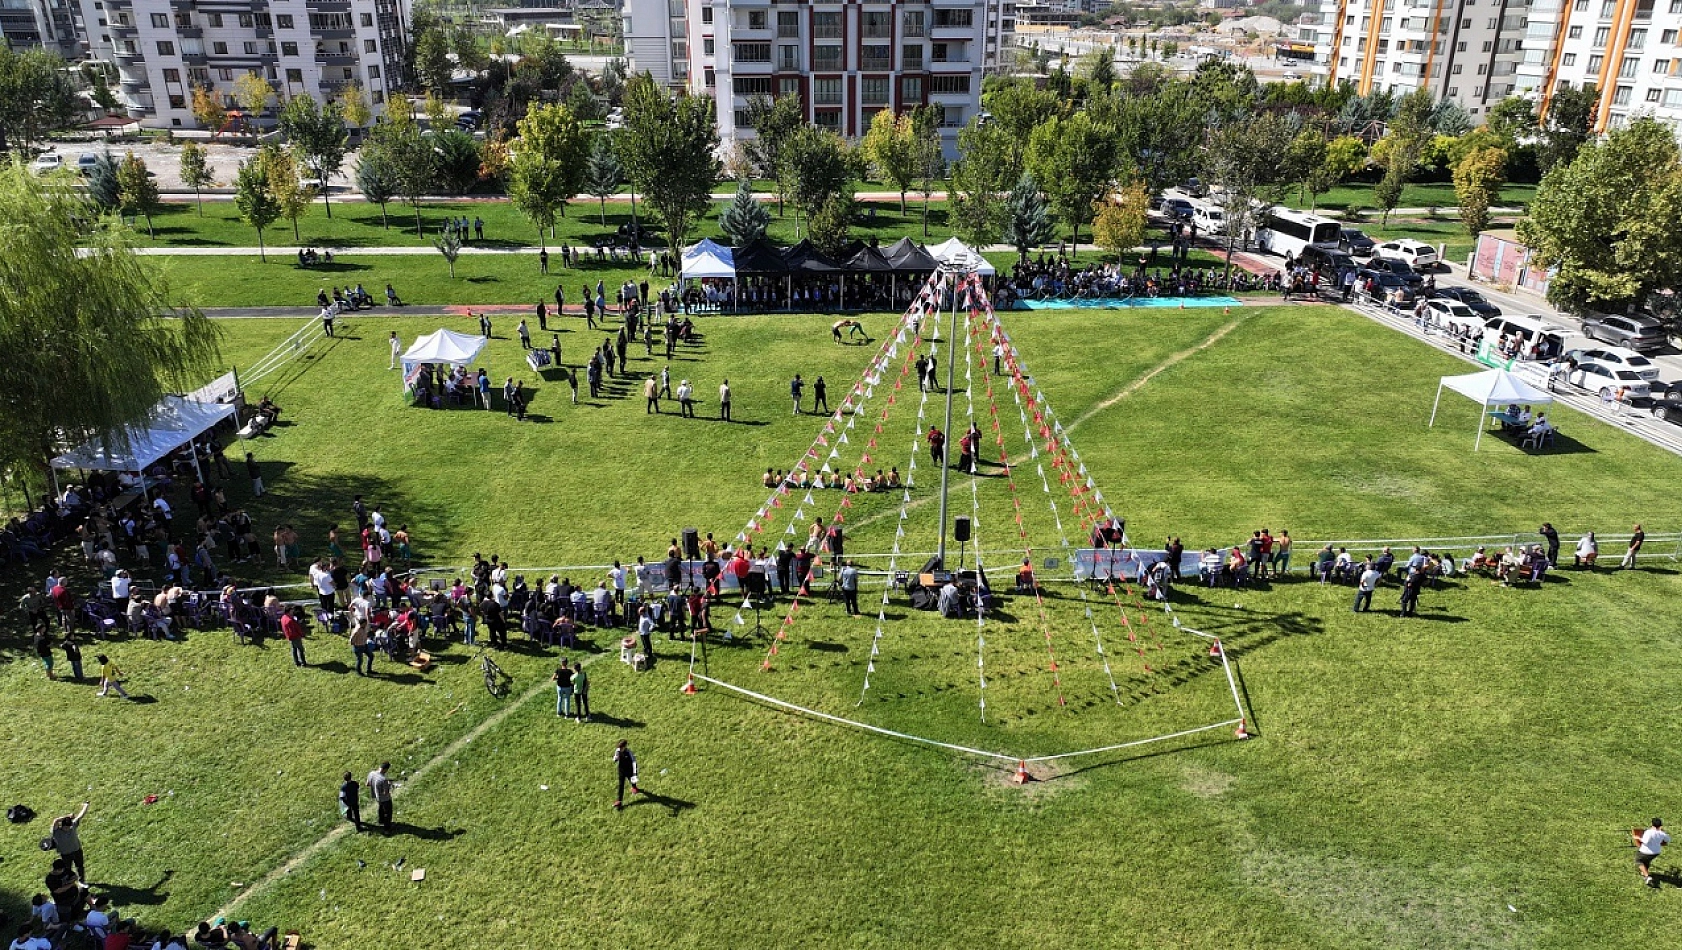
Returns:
point(1575, 33)
point(368, 46)
point(1661, 66)
point(952, 117)
point(826, 92)
point(1460, 47)
point(873, 90)
point(756, 19)
point(744, 118)
point(219, 48)
point(172, 75)
point(1668, 37)
point(826, 57)
point(953, 18)
point(288, 48)
point(225, 75)
point(349, 73)
point(1466, 23)
point(876, 56)
point(710, 77)
point(752, 52)
point(1453, 91)
point(160, 21)
point(1569, 59)
point(1601, 35)
point(1482, 68)
point(184, 21)
point(948, 85)
point(1652, 95)
point(788, 56)
point(178, 102)
point(1582, 6)
point(1675, 7)
point(826, 26)
point(708, 47)
point(911, 89)
point(1629, 66)
point(367, 19)
point(245, 21)
point(914, 23)
point(878, 24)
point(1637, 39)
point(214, 20)
point(283, 21)
point(1594, 62)
point(1622, 96)
point(294, 75)
point(251, 47)
point(788, 86)
point(1477, 92)
point(1488, 45)
point(378, 97)
point(1673, 98)
point(788, 23)
point(911, 56)
point(263, 20)
point(166, 48)
point(373, 72)
point(1456, 70)
point(827, 119)
point(706, 14)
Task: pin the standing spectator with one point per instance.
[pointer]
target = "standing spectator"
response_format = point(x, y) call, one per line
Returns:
point(581, 693)
point(33, 604)
point(478, 228)
point(785, 563)
point(796, 388)
point(1649, 844)
point(543, 261)
point(380, 789)
point(849, 579)
point(937, 446)
point(396, 350)
point(73, 653)
point(326, 591)
point(651, 393)
point(563, 690)
point(724, 400)
point(1365, 587)
point(1552, 537)
point(525, 332)
point(686, 399)
point(350, 801)
point(67, 840)
point(820, 396)
point(625, 764)
point(43, 644)
point(293, 630)
point(645, 633)
point(110, 677)
point(1635, 541)
point(361, 642)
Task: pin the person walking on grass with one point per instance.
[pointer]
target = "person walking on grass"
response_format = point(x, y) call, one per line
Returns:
point(1636, 539)
point(350, 801)
point(73, 653)
point(380, 789)
point(625, 764)
point(1365, 587)
point(1649, 843)
point(42, 641)
point(110, 677)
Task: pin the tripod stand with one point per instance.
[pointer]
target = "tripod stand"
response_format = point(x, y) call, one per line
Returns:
point(749, 603)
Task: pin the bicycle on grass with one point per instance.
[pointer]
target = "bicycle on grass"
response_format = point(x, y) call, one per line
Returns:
point(497, 682)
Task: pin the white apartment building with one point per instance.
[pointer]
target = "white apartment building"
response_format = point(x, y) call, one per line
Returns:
point(1627, 49)
point(1465, 50)
point(163, 49)
point(44, 24)
point(846, 60)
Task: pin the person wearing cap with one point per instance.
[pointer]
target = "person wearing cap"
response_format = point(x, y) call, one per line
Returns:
point(1649, 843)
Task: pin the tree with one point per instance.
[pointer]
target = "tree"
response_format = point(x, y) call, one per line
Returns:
point(775, 121)
point(407, 153)
point(1477, 182)
point(36, 97)
point(891, 146)
point(547, 170)
point(1401, 148)
point(353, 105)
point(669, 147)
point(1568, 123)
point(255, 199)
point(375, 178)
point(93, 336)
point(318, 138)
point(439, 115)
point(1243, 159)
point(744, 220)
point(137, 192)
point(195, 171)
point(928, 155)
point(455, 159)
point(584, 103)
point(99, 88)
point(1511, 120)
point(1100, 69)
point(1118, 224)
point(1606, 220)
point(208, 109)
point(1018, 108)
point(104, 190)
point(448, 243)
point(432, 61)
point(253, 93)
point(1027, 218)
point(830, 224)
point(602, 173)
point(1305, 159)
point(819, 167)
point(977, 178)
point(286, 183)
point(1075, 159)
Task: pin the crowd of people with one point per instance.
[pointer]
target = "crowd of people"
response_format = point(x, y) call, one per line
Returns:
point(1055, 278)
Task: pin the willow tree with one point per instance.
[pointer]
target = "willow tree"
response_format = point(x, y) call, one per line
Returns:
point(92, 335)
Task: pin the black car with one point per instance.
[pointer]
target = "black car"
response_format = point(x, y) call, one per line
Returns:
point(1355, 242)
point(1400, 268)
point(1667, 404)
point(1177, 208)
point(1470, 298)
point(1326, 263)
point(1387, 287)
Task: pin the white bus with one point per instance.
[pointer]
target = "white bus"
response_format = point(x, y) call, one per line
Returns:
point(1284, 231)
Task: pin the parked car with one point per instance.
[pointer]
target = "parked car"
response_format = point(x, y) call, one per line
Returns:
point(1386, 287)
point(47, 162)
point(1177, 208)
point(1420, 256)
point(468, 121)
point(1327, 263)
point(1606, 380)
point(1454, 316)
point(1619, 357)
point(1635, 332)
point(1667, 404)
point(1537, 338)
point(1398, 267)
point(1356, 242)
point(85, 164)
point(1471, 298)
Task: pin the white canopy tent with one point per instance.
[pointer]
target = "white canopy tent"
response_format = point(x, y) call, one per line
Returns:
point(1490, 388)
point(440, 346)
point(708, 259)
point(953, 249)
point(174, 421)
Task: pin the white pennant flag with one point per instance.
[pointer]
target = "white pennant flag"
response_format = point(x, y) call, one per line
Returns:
point(870, 667)
point(808, 500)
point(843, 440)
point(799, 515)
point(740, 620)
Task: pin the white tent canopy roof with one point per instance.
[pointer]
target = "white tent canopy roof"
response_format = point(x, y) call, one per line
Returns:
point(952, 250)
point(445, 346)
point(1497, 388)
point(173, 421)
point(708, 259)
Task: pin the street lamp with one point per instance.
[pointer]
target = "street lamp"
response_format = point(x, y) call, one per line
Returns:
point(955, 269)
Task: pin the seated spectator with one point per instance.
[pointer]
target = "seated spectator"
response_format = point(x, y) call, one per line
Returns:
point(893, 478)
point(1237, 567)
point(1587, 551)
point(1386, 560)
point(1025, 578)
point(1321, 566)
point(1509, 564)
point(210, 938)
point(1209, 567)
point(1343, 568)
point(770, 480)
point(28, 939)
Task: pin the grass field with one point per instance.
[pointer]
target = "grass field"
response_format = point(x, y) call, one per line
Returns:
point(1439, 194)
point(1457, 780)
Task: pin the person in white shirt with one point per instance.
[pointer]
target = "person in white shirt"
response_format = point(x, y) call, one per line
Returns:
point(396, 348)
point(1649, 843)
point(120, 585)
point(26, 940)
point(1541, 426)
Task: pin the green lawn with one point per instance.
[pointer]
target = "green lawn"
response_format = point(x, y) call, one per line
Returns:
point(1414, 778)
point(1438, 194)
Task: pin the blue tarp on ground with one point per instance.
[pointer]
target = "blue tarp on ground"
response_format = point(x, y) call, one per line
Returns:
point(1115, 303)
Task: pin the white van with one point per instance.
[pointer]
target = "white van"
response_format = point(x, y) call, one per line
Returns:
point(1539, 340)
point(1209, 219)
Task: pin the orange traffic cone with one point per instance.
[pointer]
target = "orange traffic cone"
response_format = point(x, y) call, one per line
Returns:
point(689, 686)
point(1022, 776)
point(1215, 649)
point(1241, 732)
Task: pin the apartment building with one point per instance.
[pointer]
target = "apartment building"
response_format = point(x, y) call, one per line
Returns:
point(845, 61)
point(39, 24)
point(163, 49)
point(1627, 49)
point(1465, 50)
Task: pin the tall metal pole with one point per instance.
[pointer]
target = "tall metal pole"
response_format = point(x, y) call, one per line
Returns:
point(945, 469)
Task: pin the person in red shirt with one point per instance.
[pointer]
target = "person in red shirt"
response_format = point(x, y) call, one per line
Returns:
point(66, 604)
point(293, 630)
point(937, 445)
